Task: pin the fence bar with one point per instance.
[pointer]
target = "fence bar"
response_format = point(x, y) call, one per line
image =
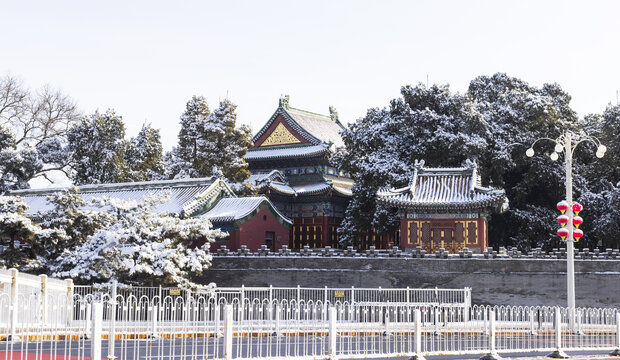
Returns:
point(616, 352)
point(112, 336)
point(70, 303)
point(43, 299)
point(557, 324)
point(332, 332)
point(492, 355)
point(13, 305)
point(418, 335)
point(95, 340)
point(228, 331)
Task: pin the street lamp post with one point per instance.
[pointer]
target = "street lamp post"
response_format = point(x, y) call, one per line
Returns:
point(567, 143)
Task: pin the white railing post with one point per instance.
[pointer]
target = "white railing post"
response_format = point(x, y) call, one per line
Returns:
point(43, 299)
point(70, 302)
point(216, 317)
point(228, 331)
point(154, 314)
point(277, 318)
point(112, 319)
point(298, 294)
point(557, 321)
point(270, 294)
point(417, 314)
point(13, 308)
point(492, 355)
point(352, 307)
point(325, 304)
point(95, 340)
point(467, 303)
point(332, 332)
point(532, 323)
point(436, 318)
point(241, 302)
point(616, 352)
point(89, 317)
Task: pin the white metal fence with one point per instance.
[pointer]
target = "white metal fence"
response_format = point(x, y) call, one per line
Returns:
point(140, 325)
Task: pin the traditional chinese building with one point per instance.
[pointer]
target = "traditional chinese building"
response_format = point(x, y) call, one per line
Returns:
point(290, 165)
point(249, 221)
point(444, 208)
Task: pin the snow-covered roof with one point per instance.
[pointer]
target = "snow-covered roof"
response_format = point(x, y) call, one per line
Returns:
point(321, 131)
point(285, 152)
point(320, 126)
point(233, 209)
point(443, 188)
point(307, 189)
point(185, 194)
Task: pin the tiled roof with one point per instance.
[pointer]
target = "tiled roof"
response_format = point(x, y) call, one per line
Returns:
point(307, 189)
point(320, 126)
point(285, 152)
point(183, 193)
point(320, 130)
point(444, 188)
point(232, 209)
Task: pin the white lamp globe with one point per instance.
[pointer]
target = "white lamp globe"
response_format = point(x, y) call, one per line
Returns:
point(529, 152)
point(554, 156)
point(558, 148)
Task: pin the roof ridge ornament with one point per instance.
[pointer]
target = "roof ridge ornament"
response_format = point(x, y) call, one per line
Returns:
point(284, 101)
point(470, 164)
point(333, 114)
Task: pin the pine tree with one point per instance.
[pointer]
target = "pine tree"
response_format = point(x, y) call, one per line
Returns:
point(209, 143)
point(17, 165)
point(15, 225)
point(144, 155)
point(140, 246)
point(97, 147)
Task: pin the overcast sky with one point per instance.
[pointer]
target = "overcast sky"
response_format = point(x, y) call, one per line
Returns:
point(145, 59)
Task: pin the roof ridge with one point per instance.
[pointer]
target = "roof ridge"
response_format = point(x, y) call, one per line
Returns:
point(154, 184)
point(326, 117)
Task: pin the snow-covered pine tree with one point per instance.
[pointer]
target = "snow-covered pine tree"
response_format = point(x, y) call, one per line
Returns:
point(224, 146)
point(144, 155)
point(425, 123)
point(140, 246)
point(184, 161)
point(15, 225)
point(97, 147)
point(17, 165)
point(209, 143)
point(515, 114)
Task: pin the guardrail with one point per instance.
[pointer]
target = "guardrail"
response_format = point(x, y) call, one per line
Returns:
point(201, 327)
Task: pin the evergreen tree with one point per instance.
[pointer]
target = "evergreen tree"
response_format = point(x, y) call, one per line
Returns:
point(144, 156)
point(516, 114)
point(426, 123)
point(17, 165)
point(140, 246)
point(209, 143)
point(97, 149)
point(184, 160)
point(14, 225)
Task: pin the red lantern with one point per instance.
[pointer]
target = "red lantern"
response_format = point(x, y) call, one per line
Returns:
point(577, 207)
point(577, 234)
point(577, 220)
point(563, 220)
point(562, 206)
point(563, 233)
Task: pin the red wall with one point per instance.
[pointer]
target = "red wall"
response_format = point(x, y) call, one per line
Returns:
point(252, 233)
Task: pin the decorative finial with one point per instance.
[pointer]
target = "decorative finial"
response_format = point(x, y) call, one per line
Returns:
point(333, 114)
point(284, 101)
point(418, 164)
point(470, 164)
